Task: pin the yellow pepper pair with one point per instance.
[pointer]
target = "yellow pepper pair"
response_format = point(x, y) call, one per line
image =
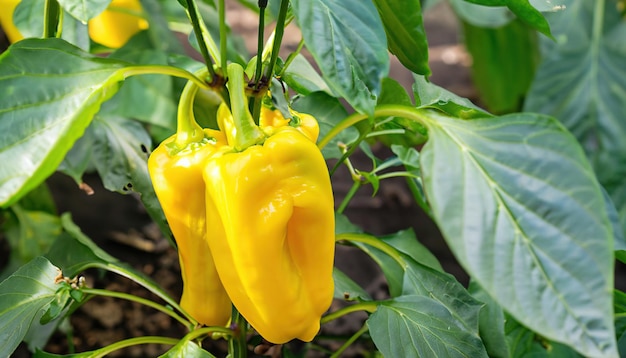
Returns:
point(267, 220)
point(112, 28)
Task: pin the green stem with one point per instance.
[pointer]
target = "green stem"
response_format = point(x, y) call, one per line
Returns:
point(261, 35)
point(143, 301)
point(206, 331)
point(199, 31)
point(133, 342)
point(368, 306)
point(237, 346)
point(396, 175)
point(223, 37)
point(278, 37)
point(52, 11)
point(187, 129)
point(374, 242)
point(344, 203)
point(147, 285)
point(382, 111)
point(246, 132)
point(349, 342)
point(164, 70)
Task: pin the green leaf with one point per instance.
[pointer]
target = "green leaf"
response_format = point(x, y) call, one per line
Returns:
point(445, 290)
point(30, 234)
point(525, 11)
point(50, 90)
point(346, 288)
point(302, 77)
point(480, 15)
point(28, 18)
point(22, 297)
point(582, 82)
point(347, 40)
point(411, 133)
point(328, 111)
point(84, 10)
point(406, 37)
point(521, 209)
point(491, 323)
point(186, 349)
point(523, 342)
point(407, 243)
point(503, 63)
point(120, 154)
point(432, 96)
point(74, 252)
point(417, 326)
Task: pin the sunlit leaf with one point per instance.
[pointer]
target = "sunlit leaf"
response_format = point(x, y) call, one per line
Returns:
point(50, 90)
point(525, 11)
point(522, 211)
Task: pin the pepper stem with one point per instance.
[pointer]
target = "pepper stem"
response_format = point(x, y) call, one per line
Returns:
point(246, 132)
point(187, 129)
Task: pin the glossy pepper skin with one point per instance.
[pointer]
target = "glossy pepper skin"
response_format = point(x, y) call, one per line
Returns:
point(270, 210)
point(177, 180)
point(112, 28)
point(272, 119)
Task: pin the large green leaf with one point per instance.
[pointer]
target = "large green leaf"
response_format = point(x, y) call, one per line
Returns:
point(522, 211)
point(49, 91)
point(418, 326)
point(406, 37)
point(347, 40)
point(22, 297)
point(582, 82)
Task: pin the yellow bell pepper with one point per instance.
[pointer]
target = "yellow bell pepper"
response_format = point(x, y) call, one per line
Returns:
point(117, 24)
point(6, 20)
point(176, 168)
point(271, 221)
point(272, 119)
point(112, 28)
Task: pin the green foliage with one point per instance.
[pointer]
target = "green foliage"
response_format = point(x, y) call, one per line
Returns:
point(532, 205)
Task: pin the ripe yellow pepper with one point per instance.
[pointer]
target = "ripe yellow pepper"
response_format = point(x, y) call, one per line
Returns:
point(177, 180)
point(272, 119)
point(176, 169)
point(112, 28)
point(271, 219)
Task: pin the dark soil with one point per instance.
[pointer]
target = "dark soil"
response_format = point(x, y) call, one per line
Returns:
point(119, 224)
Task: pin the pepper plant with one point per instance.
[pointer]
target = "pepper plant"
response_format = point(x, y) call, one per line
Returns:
point(227, 155)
